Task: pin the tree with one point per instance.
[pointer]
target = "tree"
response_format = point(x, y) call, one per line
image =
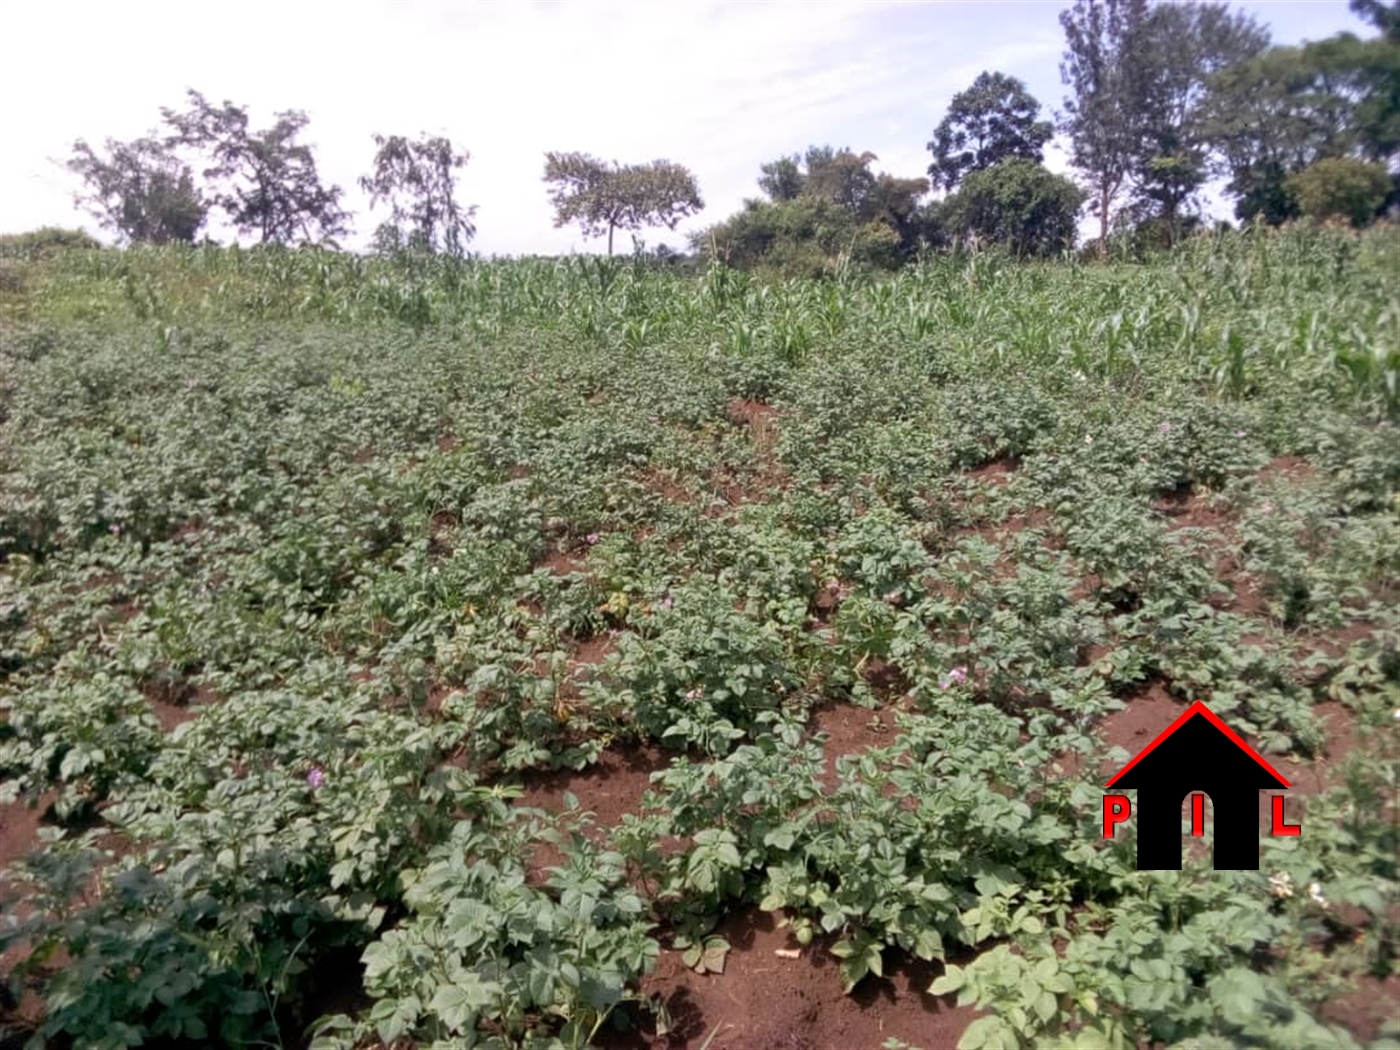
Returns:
point(1385, 17)
point(993, 120)
point(1289, 107)
point(801, 237)
point(1340, 188)
point(417, 179)
point(1190, 43)
point(140, 190)
point(1107, 63)
point(602, 198)
point(783, 179)
point(824, 204)
point(843, 178)
point(265, 181)
point(1017, 203)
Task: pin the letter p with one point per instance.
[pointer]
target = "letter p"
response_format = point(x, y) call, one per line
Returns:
point(1116, 809)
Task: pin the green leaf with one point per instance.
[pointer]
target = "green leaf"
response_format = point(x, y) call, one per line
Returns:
point(952, 978)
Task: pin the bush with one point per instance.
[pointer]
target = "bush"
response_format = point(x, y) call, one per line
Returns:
point(1019, 204)
point(1340, 188)
point(43, 241)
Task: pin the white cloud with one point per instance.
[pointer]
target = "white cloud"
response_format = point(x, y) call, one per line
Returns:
point(718, 86)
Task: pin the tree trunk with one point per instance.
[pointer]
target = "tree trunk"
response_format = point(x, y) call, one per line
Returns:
point(611, 227)
point(1105, 195)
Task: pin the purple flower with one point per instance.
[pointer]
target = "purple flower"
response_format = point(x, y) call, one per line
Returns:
point(695, 694)
point(591, 538)
point(957, 676)
point(1165, 428)
point(666, 602)
point(316, 779)
point(114, 529)
point(1239, 433)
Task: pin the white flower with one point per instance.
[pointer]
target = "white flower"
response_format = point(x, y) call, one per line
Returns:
point(1315, 893)
point(1281, 885)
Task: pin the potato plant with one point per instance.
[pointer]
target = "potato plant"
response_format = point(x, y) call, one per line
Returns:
point(311, 565)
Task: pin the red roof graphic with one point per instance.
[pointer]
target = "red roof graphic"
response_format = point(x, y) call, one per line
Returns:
point(1195, 709)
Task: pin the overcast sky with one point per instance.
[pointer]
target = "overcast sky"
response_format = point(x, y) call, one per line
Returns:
point(719, 87)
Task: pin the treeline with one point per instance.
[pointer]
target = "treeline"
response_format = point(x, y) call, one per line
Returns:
point(1161, 99)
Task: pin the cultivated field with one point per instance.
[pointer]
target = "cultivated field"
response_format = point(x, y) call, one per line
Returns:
point(438, 657)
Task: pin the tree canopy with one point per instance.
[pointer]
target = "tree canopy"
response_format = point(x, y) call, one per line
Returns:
point(1018, 204)
point(822, 204)
point(264, 181)
point(602, 197)
point(417, 179)
point(140, 190)
point(991, 121)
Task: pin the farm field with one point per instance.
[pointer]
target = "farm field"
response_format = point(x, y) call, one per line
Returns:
point(536, 653)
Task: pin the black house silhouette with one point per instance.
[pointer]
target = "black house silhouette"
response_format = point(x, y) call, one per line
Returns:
point(1198, 752)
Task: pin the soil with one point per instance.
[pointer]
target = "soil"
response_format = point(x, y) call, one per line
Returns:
point(998, 472)
point(1365, 1008)
point(851, 730)
point(562, 563)
point(19, 827)
point(767, 1001)
point(612, 786)
point(1293, 468)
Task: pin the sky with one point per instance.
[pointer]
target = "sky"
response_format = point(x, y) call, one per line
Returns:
point(720, 87)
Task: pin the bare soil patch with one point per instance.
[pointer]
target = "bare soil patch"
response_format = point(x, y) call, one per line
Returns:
point(851, 730)
point(612, 786)
point(766, 1001)
point(564, 563)
point(1294, 468)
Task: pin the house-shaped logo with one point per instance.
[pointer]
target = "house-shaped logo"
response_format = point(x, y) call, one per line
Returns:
point(1198, 753)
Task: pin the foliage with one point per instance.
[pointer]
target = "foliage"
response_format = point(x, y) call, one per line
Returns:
point(417, 179)
point(264, 181)
point(1108, 64)
point(603, 198)
point(1193, 41)
point(1290, 107)
point(140, 190)
point(1018, 204)
point(313, 560)
point(993, 120)
point(823, 208)
point(1340, 188)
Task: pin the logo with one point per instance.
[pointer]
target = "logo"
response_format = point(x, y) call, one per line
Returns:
point(1197, 755)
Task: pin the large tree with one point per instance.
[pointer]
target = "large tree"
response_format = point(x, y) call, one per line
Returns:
point(1107, 63)
point(993, 120)
point(1191, 42)
point(1289, 107)
point(417, 179)
point(604, 197)
point(1018, 204)
point(140, 190)
point(264, 181)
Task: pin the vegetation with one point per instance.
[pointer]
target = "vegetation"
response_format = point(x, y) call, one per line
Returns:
point(1340, 187)
point(825, 210)
point(1017, 204)
point(265, 182)
point(312, 561)
point(332, 584)
point(995, 119)
point(140, 191)
point(603, 198)
point(417, 179)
